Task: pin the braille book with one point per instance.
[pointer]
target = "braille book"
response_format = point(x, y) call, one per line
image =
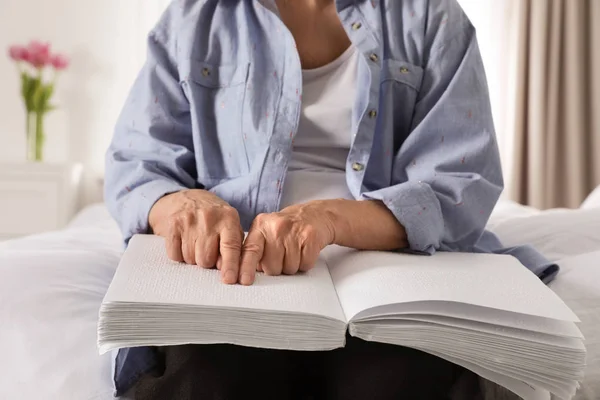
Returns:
point(487, 313)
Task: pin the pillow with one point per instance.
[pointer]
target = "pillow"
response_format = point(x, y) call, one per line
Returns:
point(91, 215)
point(593, 200)
point(506, 210)
point(51, 287)
point(557, 233)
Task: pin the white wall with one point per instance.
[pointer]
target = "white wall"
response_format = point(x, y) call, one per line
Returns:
point(491, 18)
point(105, 40)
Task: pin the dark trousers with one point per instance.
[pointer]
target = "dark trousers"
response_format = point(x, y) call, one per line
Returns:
point(362, 370)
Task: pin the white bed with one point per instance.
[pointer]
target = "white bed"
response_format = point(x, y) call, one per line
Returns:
point(51, 286)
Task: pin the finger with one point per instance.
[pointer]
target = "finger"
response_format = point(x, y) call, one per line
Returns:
point(310, 255)
point(273, 254)
point(219, 262)
point(207, 251)
point(252, 253)
point(259, 267)
point(173, 242)
point(230, 247)
point(291, 260)
point(188, 243)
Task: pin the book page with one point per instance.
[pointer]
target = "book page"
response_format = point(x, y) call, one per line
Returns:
point(470, 312)
point(146, 275)
point(365, 280)
point(518, 387)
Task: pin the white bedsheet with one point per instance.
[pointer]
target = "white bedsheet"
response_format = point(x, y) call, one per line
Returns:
point(579, 286)
point(51, 287)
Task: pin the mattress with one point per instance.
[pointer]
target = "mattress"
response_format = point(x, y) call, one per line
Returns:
point(51, 287)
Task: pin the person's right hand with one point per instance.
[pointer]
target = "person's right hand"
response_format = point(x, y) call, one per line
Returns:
point(201, 228)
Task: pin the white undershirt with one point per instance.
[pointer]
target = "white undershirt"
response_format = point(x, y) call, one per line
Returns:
point(321, 145)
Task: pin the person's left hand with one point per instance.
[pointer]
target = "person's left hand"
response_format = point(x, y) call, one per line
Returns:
point(288, 241)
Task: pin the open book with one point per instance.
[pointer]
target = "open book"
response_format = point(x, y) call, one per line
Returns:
point(485, 312)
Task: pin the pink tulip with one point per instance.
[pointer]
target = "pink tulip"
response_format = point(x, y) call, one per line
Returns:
point(59, 62)
point(18, 53)
point(39, 54)
point(27, 56)
point(36, 46)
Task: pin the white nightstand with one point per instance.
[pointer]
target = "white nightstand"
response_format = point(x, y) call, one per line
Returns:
point(37, 197)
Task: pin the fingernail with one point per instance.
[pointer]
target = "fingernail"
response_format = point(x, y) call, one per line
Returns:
point(230, 277)
point(246, 279)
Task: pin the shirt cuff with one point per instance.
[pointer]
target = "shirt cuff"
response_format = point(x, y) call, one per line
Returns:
point(137, 205)
point(418, 210)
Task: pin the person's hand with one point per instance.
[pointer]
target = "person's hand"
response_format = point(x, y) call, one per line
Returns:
point(288, 241)
point(200, 228)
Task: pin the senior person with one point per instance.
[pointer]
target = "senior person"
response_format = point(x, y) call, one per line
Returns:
point(305, 123)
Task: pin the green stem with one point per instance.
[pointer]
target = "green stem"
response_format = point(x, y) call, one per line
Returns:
point(39, 135)
point(28, 135)
point(28, 125)
point(31, 135)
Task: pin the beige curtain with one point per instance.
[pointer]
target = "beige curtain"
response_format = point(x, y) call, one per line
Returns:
point(554, 95)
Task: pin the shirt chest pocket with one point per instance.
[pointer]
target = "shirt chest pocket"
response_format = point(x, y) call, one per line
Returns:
point(400, 86)
point(216, 94)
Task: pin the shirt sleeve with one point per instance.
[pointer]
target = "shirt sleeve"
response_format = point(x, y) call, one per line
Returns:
point(151, 153)
point(447, 174)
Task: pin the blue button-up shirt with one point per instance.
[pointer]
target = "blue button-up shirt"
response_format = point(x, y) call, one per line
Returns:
point(217, 106)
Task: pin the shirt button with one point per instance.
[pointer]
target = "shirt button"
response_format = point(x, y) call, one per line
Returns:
point(358, 167)
point(374, 57)
point(356, 26)
point(205, 71)
point(372, 113)
point(404, 70)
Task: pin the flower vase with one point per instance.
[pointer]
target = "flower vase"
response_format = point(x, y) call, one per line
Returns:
point(36, 91)
point(35, 136)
